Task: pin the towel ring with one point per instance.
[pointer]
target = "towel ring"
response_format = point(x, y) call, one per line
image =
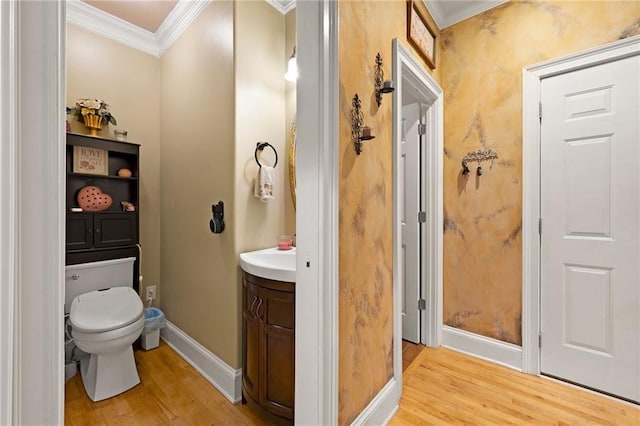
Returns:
point(262, 145)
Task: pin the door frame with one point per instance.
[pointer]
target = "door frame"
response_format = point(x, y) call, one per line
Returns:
point(406, 66)
point(532, 77)
point(32, 213)
point(316, 335)
point(8, 209)
point(33, 48)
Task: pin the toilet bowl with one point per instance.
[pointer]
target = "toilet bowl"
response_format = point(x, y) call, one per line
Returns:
point(104, 324)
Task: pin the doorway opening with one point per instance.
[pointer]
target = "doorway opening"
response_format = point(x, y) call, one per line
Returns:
point(417, 200)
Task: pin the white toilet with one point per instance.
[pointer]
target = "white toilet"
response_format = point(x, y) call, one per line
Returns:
point(106, 317)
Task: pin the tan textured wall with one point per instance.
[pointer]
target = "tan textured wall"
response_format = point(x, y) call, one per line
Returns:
point(199, 269)
point(290, 112)
point(482, 64)
point(128, 81)
point(260, 116)
point(365, 213)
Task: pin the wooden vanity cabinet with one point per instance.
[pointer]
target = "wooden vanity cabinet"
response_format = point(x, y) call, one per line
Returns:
point(268, 360)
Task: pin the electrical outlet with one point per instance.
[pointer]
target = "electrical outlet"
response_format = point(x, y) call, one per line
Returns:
point(151, 292)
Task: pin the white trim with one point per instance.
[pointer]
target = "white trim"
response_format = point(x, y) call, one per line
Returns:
point(177, 22)
point(8, 206)
point(531, 78)
point(225, 378)
point(282, 6)
point(383, 407)
point(482, 347)
point(444, 20)
point(39, 286)
point(102, 23)
point(316, 348)
point(406, 67)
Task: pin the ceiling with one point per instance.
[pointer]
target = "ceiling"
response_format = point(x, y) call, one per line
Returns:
point(449, 12)
point(146, 14)
point(150, 14)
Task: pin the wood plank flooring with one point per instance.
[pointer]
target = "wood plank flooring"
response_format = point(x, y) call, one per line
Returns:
point(409, 353)
point(171, 392)
point(445, 387)
point(440, 387)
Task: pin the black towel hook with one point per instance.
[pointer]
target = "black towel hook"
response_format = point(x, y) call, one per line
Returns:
point(262, 145)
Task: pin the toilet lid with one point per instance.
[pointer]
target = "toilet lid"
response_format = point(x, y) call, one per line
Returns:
point(104, 310)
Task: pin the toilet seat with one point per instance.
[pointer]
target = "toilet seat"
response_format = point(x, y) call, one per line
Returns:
point(105, 310)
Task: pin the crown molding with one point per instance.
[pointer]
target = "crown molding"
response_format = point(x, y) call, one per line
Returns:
point(95, 20)
point(444, 20)
point(436, 12)
point(282, 6)
point(177, 21)
point(102, 23)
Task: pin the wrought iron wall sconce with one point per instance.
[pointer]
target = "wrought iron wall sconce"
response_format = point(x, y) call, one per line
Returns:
point(478, 156)
point(359, 132)
point(382, 85)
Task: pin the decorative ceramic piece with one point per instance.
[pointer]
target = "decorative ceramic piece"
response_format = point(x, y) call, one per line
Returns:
point(92, 199)
point(127, 206)
point(126, 173)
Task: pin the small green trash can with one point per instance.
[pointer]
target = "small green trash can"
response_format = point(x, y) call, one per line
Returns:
point(154, 320)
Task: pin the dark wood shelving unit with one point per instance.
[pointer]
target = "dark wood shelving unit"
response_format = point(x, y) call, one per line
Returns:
point(112, 233)
point(86, 175)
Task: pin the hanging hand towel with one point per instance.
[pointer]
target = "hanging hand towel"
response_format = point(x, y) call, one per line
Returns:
point(264, 184)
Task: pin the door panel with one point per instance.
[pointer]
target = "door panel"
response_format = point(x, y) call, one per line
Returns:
point(79, 231)
point(410, 205)
point(590, 208)
point(278, 372)
point(588, 182)
point(252, 329)
point(278, 387)
point(115, 229)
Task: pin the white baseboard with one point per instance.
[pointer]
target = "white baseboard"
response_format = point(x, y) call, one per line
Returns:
point(383, 407)
point(482, 347)
point(226, 379)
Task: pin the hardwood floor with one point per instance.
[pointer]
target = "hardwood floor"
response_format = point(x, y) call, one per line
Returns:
point(440, 387)
point(445, 387)
point(410, 351)
point(171, 392)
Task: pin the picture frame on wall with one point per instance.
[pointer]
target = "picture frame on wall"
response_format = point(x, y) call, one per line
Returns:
point(93, 161)
point(420, 34)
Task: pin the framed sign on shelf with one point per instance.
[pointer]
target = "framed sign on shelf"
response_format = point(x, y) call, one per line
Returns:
point(92, 161)
point(420, 34)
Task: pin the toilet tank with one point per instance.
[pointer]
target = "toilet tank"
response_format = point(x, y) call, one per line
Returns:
point(86, 277)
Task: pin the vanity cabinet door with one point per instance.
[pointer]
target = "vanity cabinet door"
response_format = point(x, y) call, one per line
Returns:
point(278, 374)
point(252, 331)
point(268, 356)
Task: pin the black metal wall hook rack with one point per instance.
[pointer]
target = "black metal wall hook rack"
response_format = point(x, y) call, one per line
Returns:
point(260, 146)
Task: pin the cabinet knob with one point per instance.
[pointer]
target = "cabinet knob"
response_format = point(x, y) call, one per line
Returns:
point(75, 277)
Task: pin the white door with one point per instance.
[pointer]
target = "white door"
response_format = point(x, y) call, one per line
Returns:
point(590, 202)
point(410, 205)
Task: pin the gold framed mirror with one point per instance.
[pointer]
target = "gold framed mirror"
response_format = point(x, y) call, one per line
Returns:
point(292, 162)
